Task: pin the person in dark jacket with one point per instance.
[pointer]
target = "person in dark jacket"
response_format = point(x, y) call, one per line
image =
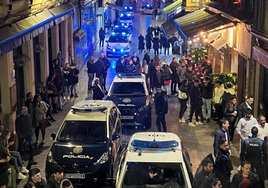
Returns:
point(90, 71)
point(183, 98)
point(136, 64)
point(222, 132)
point(120, 67)
point(146, 57)
point(203, 177)
point(189, 73)
point(208, 68)
point(227, 95)
point(166, 45)
point(36, 178)
point(130, 68)
point(161, 109)
point(230, 114)
point(148, 39)
point(141, 43)
point(223, 164)
point(156, 45)
point(156, 31)
point(101, 36)
point(150, 30)
point(151, 71)
point(74, 80)
point(55, 179)
point(207, 95)
point(244, 106)
point(158, 81)
point(174, 77)
point(98, 92)
point(24, 129)
point(31, 109)
point(166, 75)
point(161, 42)
point(135, 55)
point(106, 63)
point(100, 70)
point(196, 104)
point(68, 82)
point(246, 174)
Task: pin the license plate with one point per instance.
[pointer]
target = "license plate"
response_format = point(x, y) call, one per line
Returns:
point(75, 176)
point(127, 117)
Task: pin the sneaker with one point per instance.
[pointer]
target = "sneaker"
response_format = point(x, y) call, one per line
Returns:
point(64, 98)
point(199, 123)
point(183, 120)
point(68, 98)
point(21, 176)
point(239, 168)
point(180, 120)
point(24, 170)
point(191, 124)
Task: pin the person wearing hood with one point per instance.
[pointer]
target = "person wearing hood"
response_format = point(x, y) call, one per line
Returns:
point(223, 164)
point(166, 75)
point(207, 95)
point(230, 114)
point(36, 179)
point(148, 39)
point(183, 98)
point(141, 43)
point(227, 95)
point(120, 67)
point(55, 179)
point(189, 73)
point(217, 99)
point(90, 72)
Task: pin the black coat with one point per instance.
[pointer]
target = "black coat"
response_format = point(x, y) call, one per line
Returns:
point(238, 178)
point(219, 134)
point(148, 41)
point(106, 63)
point(91, 67)
point(189, 75)
point(166, 73)
point(98, 93)
point(130, 68)
point(23, 125)
point(147, 58)
point(228, 110)
point(67, 76)
point(150, 30)
point(202, 179)
point(195, 96)
point(141, 42)
point(161, 103)
point(137, 65)
point(101, 34)
point(99, 68)
point(207, 91)
point(52, 183)
point(166, 43)
point(156, 82)
point(242, 108)
point(74, 76)
point(41, 184)
point(120, 67)
point(155, 43)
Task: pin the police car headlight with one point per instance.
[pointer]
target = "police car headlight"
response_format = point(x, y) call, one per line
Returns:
point(145, 107)
point(103, 159)
point(50, 158)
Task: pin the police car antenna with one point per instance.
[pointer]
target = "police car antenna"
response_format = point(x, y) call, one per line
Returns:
point(139, 154)
point(154, 138)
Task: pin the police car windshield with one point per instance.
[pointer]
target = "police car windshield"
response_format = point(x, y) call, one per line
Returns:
point(121, 30)
point(128, 88)
point(83, 131)
point(125, 17)
point(152, 174)
point(118, 39)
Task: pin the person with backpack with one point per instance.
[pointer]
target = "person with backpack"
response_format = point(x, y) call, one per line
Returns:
point(166, 75)
point(183, 98)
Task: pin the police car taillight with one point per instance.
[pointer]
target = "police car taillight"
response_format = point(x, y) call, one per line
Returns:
point(154, 144)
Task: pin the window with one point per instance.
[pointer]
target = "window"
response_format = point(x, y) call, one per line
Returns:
point(131, 88)
point(118, 39)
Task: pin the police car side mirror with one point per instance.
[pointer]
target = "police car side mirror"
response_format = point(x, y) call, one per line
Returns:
point(115, 137)
point(110, 182)
point(53, 136)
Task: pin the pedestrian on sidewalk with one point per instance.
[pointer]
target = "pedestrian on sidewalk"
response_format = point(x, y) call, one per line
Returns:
point(137, 64)
point(68, 83)
point(262, 128)
point(183, 98)
point(227, 95)
point(230, 114)
point(156, 45)
point(161, 109)
point(130, 68)
point(135, 55)
point(174, 77)
point(74, 80)
point(166, 75)
point(166, 45)
point(254, 151)
point(222, 132)
point(55, 179)
point(141, 43)
point(181, 71)
point(106, 64)
point(203, 178)
point(189, 73)
point(52, 92)
point(29, 104)
point(120, 67)
point(150, 30)
point(98, 92)
point(101, 36)
point(223, 164)
point(148, 39)
point(36, 179)
point(146, 57)
point(196, 104)
point(158, 81)
point(60, 83)
point(90, 72)
point(207, 95)
point(145, 71)
point(217, 99)
point(244, 106)
point(161, 42)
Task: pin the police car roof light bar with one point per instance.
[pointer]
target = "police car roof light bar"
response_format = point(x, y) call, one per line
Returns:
point(129, 75)
point(155, 144)
point(88, 108)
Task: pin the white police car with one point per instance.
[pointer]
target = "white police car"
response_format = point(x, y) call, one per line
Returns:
point(118, 45)
point(148, 9)
point(129, 10)
point(87, 142)
point(153, 159)
point(130, 94)
point(126, 19)
point(121, 29)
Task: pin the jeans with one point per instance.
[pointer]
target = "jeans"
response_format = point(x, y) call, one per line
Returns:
point(16, 160)
point(231, 129)
point(43, 132)
point(90, 80)
point(167, 89)
point(198, 112)
point(156, 52)
point(183, 107)
point(30, 146)
point(206, 108)
point(174, 83)
point(166, 51)
point(67, 91)
point(161, 120)
point(101, 42)
point(73, 89)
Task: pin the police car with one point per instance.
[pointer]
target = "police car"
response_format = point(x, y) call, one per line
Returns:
point(126, 19)
point(118, 45)
point(130, 94)
point(153, 159)
point(121, 29)
point(129, 10)
point(87, 142)
point(148, 9)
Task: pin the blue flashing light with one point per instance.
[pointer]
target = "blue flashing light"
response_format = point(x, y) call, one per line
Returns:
point(125, 7)
point(113, 33)
point(148, 5)
point(155, 144)
point(116, 26)
point(144, 127)
point(122, 50)
point(123, 24)
point(128, 14)
point(113, 50)
point(121, 15)
point(130, 75)
point(136, 127)
point(130, 8)
point(123, 33)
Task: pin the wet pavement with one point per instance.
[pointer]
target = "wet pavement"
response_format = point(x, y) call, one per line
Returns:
point(198, 140)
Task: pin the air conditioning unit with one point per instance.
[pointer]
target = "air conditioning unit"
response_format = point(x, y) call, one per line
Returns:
point(22, 60)
point(39, 47)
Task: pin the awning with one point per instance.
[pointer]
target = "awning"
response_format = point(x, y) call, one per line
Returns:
point(44, 18)
point(113, 6)
point(172, 7)
point(219, 43)
point(213, 36)
point(100, 11)
point(201, 20)
point(62, 12)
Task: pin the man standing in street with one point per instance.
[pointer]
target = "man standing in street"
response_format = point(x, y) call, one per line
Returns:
point(101, 36)
point(207, 95)
point(103, 64)
point(223, 164)
point(245, 174)
point(262, 128)
point(161, 109)
point(30, 106)
point(146, 57)
point(90, 72)
point(202, 179)
point(174, 76)
point(254, 150)
point(244, 106)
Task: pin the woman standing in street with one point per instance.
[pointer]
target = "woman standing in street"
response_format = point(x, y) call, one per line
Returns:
point(183, 98)
point(148, 42)
point(230, 113)
point(141, 43)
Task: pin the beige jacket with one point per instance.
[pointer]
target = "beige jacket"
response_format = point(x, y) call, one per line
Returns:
point(40, 112)
point(217, 94)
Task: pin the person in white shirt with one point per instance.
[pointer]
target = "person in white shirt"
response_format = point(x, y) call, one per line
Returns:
point(262, 128)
